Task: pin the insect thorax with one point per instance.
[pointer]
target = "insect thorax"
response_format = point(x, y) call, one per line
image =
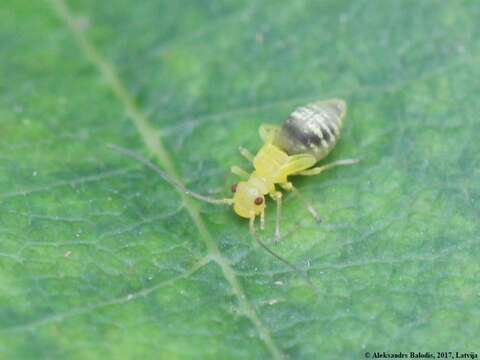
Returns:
point(268, 163)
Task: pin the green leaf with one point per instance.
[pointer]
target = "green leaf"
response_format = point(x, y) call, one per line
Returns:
point(101, 258)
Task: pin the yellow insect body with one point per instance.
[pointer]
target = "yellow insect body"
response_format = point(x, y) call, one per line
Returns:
point(269, 163)
point(306, 136)
point(272, 166)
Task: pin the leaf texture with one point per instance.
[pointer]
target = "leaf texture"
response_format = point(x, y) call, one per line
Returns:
point(100, 258)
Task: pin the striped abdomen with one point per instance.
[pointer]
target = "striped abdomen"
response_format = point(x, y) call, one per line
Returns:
point(313, 128)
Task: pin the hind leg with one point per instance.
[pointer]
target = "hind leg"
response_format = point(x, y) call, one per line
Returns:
point(288, 186)
point(317, 170)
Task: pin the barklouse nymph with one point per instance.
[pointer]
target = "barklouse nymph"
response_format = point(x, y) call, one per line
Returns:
point(307, 136)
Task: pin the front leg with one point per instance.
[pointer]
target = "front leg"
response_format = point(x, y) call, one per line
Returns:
point(237, 170)
point(277, 196)
point(246, 154)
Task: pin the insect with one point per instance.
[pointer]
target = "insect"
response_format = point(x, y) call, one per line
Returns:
point(308, 135)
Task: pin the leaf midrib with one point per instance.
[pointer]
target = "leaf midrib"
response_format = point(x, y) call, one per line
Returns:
point(151, 137)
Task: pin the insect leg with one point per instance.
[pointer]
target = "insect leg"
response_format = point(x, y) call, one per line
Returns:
point(251, 224)
point(246, 154)
point(288, 186)
point(303, 273)
point(239, 171)
point(268, 132)
point(262, 220)
point(277, 196)
point(317, 170)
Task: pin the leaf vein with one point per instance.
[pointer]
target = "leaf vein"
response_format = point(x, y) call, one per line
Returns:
point(151, 138)
point(56, 318)
point(61, 183)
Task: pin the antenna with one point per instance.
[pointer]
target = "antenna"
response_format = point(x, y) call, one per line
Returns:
point(168, 178)
point(179, 186)
point(302, 273)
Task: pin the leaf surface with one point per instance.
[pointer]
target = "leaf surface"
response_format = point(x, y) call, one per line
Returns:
point(100, 258)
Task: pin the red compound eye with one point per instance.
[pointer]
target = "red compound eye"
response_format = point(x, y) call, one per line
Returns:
point(234, 188)
point(259, 201)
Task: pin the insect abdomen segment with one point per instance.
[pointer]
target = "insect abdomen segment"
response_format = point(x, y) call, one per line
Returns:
point(312, 129)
